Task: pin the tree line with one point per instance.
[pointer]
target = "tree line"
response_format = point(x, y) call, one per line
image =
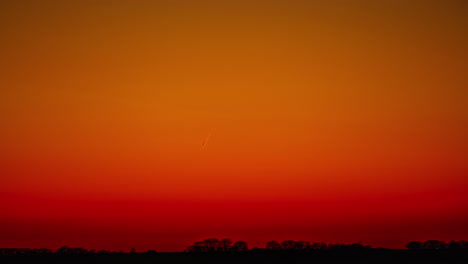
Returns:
point(436, 244)
point(65, 250)
point(227, 245)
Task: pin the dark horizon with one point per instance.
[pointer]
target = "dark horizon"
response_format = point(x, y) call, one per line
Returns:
point(228, 245)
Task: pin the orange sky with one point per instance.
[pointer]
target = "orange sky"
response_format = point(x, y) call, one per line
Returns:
point(335, 121)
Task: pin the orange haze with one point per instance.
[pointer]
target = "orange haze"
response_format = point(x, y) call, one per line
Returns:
point(334, 121)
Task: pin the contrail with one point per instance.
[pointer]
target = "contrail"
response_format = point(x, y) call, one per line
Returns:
point(206, 141)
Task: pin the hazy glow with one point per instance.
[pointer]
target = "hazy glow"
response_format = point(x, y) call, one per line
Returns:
point(335, 121)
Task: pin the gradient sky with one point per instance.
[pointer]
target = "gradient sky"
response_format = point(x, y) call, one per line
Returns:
point(334, 121)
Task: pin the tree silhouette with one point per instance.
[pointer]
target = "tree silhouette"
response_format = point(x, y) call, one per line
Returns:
point(225, 244)
point(207, 245)
point(240, 246)
point(434, 244)
point(273, 245)
point(65, 250)
point(318, 246)
point(288, 244)
point(336, 246)
point(211, 244)
point(414, 245)
point(299, 245)
point(356, 246)
point(462, 244)
point(61, 251)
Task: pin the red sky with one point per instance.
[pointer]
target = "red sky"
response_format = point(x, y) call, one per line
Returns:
point(334, 121)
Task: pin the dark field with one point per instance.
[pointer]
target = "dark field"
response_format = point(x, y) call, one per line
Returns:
point(367, 256)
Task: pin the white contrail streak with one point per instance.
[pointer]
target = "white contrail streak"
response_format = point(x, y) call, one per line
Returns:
point(206, 141)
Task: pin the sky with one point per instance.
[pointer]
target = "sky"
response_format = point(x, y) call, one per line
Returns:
point(334, 121)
